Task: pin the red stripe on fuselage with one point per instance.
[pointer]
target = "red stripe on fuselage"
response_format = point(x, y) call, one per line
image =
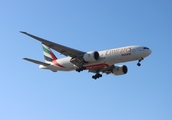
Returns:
point(103, 65)
point(57, 64)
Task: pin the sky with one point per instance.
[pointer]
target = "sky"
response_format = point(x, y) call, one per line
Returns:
point(29, 93)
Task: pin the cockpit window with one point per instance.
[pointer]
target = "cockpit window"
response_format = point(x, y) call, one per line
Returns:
point(145, 48)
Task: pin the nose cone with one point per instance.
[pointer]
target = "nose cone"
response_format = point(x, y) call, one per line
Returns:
point(149, 52)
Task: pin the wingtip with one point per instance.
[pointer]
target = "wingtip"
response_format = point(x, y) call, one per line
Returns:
point(23, 32)
point(24, 58)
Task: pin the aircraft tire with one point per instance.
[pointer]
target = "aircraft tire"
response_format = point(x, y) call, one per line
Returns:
point(138, 64)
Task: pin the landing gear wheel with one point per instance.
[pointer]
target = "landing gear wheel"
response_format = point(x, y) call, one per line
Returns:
point(99, 75)
point(80, 69)
point(138, 64)
point(96, 76)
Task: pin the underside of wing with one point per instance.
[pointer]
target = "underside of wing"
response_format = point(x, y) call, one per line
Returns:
point(59, 48)
point(106, 70)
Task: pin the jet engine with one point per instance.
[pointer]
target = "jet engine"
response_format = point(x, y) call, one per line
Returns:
point(91, 56)
point(120, 70)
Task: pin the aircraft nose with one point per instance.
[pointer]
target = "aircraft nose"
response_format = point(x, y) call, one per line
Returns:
point(147, 51)
point(150, 51)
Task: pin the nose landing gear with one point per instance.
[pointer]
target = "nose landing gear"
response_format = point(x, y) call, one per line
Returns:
point(139, 64)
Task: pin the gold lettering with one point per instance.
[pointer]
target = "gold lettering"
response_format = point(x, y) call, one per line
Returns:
point(107, 52)
point(128, 49)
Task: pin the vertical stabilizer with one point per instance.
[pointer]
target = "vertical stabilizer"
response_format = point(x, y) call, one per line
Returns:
point(48, 54)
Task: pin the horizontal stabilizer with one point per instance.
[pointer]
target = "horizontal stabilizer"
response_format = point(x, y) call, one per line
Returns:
point(36, 62)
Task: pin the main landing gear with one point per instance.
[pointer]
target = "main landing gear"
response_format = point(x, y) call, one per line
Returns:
point(139, 64)
point(97, 75)
point(80, 69)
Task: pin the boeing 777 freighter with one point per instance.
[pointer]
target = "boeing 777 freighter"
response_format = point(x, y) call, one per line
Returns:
point(94, 61)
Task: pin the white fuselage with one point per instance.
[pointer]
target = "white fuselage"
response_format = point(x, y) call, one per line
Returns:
point(107, 58)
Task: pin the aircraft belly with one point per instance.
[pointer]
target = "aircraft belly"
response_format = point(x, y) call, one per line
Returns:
point(61, 65)
point(97, 64)
point(57, 68)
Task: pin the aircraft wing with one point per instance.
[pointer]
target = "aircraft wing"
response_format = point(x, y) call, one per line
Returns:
point(57, 47)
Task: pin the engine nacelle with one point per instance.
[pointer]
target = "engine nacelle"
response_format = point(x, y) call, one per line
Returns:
point(120, 70)
point(91, 56)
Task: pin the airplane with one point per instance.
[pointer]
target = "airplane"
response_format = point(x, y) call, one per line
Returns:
point(97, 62)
